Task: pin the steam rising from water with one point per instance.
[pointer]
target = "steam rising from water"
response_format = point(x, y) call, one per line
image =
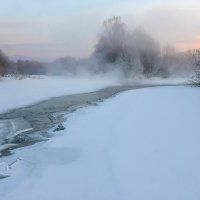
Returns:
point(120, 51)
point(126, 53)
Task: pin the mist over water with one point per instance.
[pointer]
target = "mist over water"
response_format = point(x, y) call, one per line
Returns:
point(127, 53)
point(120, 52)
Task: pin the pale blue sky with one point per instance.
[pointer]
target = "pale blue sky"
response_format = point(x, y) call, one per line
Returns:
point(54, 28)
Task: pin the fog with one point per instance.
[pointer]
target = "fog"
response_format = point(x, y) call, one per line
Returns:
point(121, 51)
point(124, 52)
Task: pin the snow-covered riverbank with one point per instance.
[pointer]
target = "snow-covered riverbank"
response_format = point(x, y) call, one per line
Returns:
point(142, 144)
point(18, 93)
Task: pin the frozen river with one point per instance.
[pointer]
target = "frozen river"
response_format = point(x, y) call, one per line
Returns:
point(37, 119)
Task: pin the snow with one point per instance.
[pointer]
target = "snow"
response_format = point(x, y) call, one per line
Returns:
point(4, 168)
point(161, 81)
point(16, 93)
point(142, 144)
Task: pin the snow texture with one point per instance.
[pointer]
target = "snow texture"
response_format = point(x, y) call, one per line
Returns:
point(142, 144)
point(18, 93)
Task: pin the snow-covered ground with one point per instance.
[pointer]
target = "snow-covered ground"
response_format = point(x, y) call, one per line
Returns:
point(17, 93)
point(142, 144)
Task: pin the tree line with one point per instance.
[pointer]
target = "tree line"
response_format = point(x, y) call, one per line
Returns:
point(132, 52)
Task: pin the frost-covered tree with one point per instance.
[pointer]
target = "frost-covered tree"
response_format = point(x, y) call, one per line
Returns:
point(133, 50)
point(111, 44)
point(195, 55)
point(4, 63)
point(147, 50)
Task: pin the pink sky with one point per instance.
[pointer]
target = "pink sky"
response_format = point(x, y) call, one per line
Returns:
point(52, 29)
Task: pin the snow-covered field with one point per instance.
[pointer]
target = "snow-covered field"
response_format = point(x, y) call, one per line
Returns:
point(17, 93)
point(142, 144)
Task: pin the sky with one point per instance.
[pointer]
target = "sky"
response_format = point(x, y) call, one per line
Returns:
point(49, 29)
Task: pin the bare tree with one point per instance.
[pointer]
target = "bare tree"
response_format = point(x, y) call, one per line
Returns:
point(195, 57)
point(4, 62)
point(133, 50)
point(147, 49)
point(166, 61)
point(111, 44)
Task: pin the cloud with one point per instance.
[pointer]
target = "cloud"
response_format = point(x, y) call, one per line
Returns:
point(178, 25)
point(22, 32)
point(77, 24)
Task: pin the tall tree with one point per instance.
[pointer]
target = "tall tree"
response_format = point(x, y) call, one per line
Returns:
point(4, 63)
point(111, 45)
